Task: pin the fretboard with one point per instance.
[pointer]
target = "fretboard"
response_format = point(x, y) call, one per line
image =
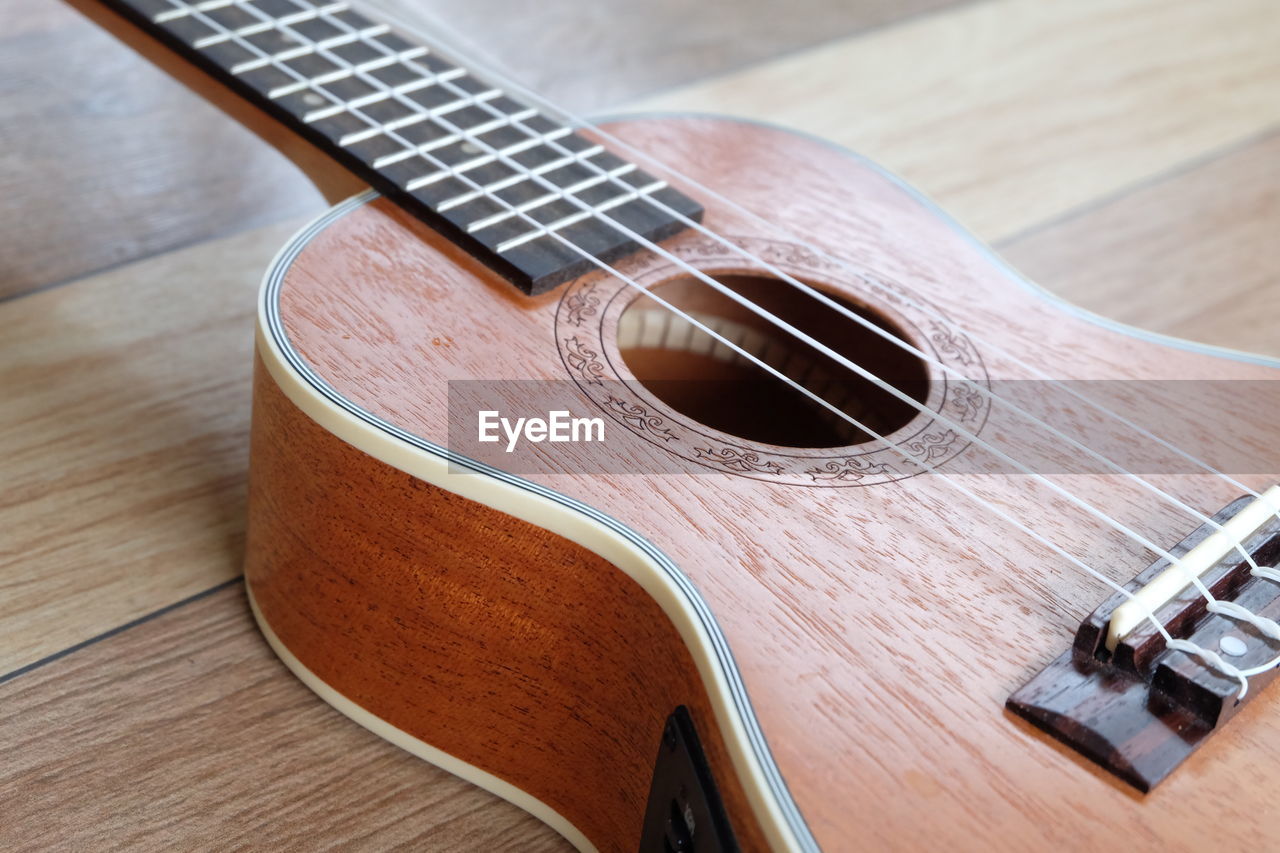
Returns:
point(525, 194)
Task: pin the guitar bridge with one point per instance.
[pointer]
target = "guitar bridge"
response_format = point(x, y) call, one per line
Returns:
point(1122, 698)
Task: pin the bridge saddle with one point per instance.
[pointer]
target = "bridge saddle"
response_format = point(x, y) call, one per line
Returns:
point(1124, 700)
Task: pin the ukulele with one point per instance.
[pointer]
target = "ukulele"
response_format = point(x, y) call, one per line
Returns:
point(697, 486)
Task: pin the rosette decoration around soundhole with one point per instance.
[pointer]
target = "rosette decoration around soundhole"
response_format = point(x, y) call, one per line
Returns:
point(669, 381)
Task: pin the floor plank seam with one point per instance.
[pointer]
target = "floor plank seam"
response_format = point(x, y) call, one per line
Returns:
point(168, 250)
point(1186, 167)
point(119, 629)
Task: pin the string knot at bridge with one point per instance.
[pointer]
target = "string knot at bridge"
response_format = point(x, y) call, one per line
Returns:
point(1143, 684)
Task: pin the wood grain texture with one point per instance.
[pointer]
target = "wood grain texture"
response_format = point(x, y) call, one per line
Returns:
point(1165, 223)
point(566, 691)
point(185, 732)
point(76, 578)
point(1010, 113)
point(867, 640)
point(1193, 254)
point(125, 430)
point(106, 160)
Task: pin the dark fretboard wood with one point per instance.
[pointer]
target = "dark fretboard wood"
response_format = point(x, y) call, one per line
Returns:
point(526, 194)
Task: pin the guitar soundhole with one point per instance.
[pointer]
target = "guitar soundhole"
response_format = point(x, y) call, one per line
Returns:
point(702, 378)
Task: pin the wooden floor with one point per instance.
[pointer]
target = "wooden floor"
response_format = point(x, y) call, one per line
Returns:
point(1123, 153)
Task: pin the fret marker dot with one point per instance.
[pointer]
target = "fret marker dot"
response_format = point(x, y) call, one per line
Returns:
point(470, 148)
point(311, 99)
point(1233, 646)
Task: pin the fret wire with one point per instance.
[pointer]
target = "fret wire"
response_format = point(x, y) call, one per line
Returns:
point(264, 59)
point(347, 69)
point(304, 13)
point(631, 193)
point(584, 184)
point(479, 99)
point(301, 50)
point(464, 137)
point(383, 95)
point(268, 24)
point(352, 35)
point(478, 130)
point(372, 65)
point(418, 118)
point(219, 38)
point(539, 230)
point(435, 78)
point(591, 211)
point(309, 47)
point(457, 168)
point(389, 93)
point(186, 9)
point(525, 207)
point(476, 99)
point(430, 77)
point(511, 181)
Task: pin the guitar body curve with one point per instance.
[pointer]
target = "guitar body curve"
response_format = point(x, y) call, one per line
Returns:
point(845, 674)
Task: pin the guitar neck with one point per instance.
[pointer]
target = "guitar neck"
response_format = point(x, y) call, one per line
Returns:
point(524, 193)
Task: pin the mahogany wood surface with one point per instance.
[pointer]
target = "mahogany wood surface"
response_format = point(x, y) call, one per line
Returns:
point(92, 336)
point(880, 635)
point(508, 647)
point(1180, 234)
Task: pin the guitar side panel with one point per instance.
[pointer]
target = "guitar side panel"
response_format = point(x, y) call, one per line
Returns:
point(512, 655)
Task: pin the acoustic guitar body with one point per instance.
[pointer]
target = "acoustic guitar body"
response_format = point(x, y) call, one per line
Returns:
point(842, 629)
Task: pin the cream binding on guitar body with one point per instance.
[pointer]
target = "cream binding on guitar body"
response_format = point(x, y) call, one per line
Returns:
point(784, 646)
